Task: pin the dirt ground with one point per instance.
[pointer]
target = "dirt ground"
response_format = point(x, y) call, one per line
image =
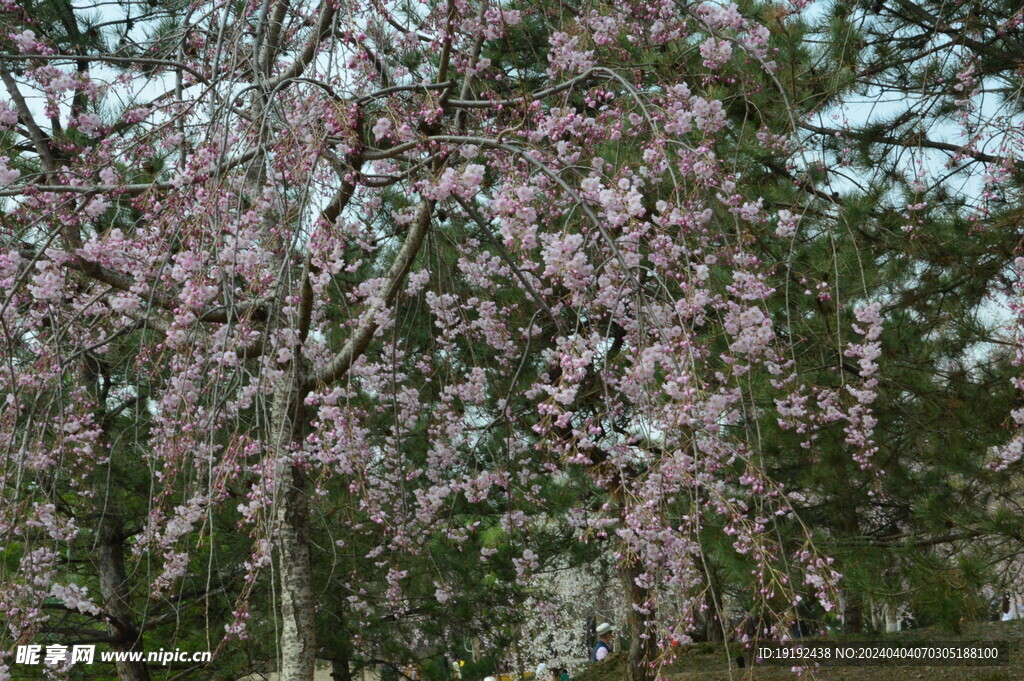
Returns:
point(708, 662)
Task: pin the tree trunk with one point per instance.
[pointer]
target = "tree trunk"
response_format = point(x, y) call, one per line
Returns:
point(876, 618)
point(298, 634)
point(341, 669)
point(298, 608)
point(643, 647)
point(712, 615)
point(114, 591)
point(110, 551)
point(709, 619)
point(892, 620)
point(853, 613)
point(520, 669)
point(853, 617)
point(341, 658)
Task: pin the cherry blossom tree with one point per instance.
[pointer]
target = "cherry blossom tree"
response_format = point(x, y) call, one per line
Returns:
point(274, 257)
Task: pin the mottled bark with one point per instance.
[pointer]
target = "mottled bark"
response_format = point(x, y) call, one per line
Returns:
point(298, 634)
point(298, 609)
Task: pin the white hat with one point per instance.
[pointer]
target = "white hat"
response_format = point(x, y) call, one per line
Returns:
point(604, 628)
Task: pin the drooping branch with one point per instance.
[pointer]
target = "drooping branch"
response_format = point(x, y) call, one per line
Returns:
point(39, 140)
point(367, 325)
point(323, 29)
